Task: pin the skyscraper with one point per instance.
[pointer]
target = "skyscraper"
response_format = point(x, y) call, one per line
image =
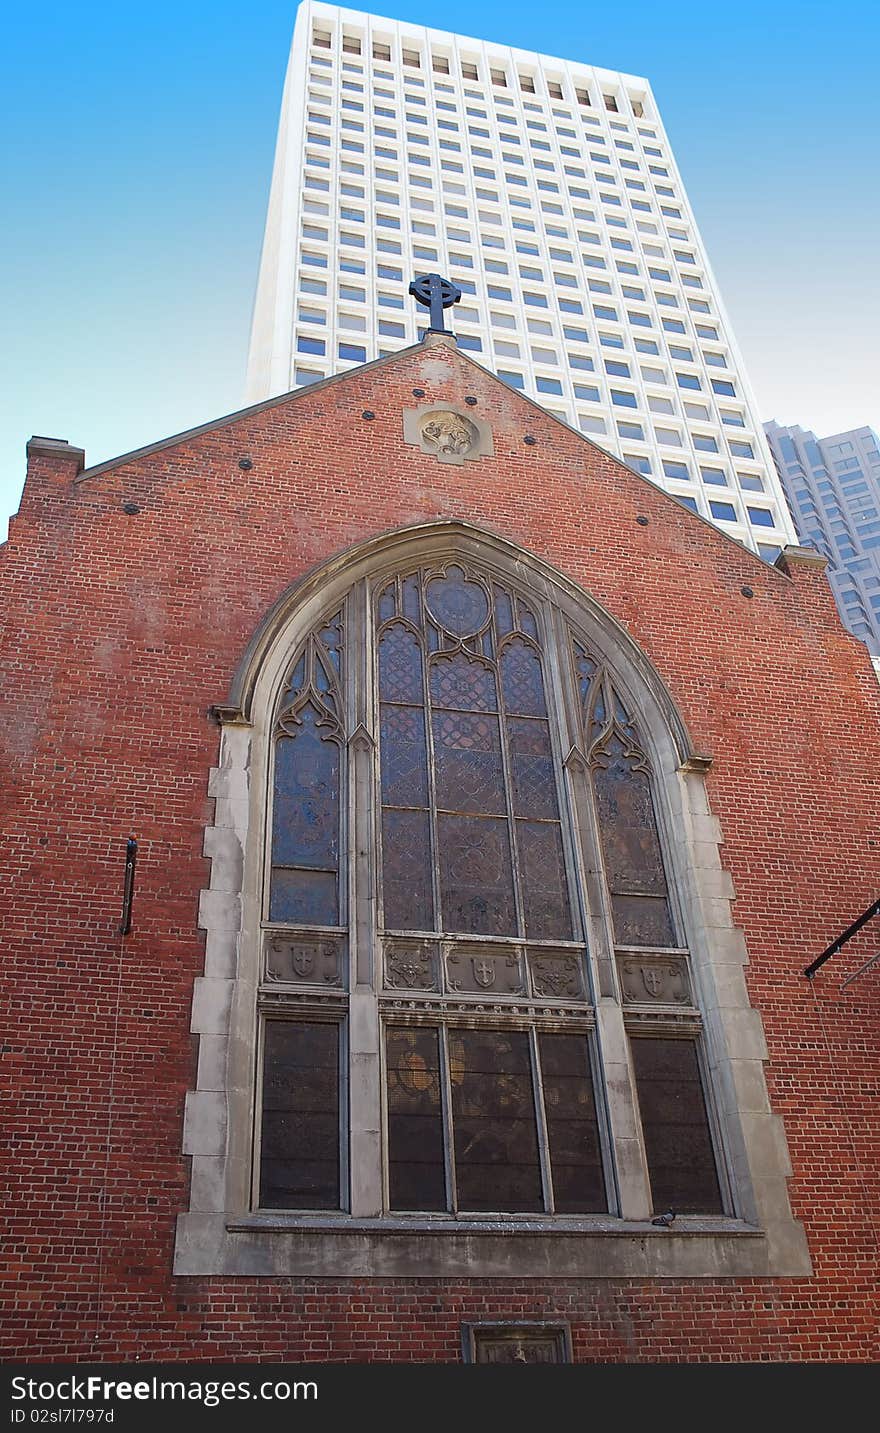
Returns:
point(833, 489)
point(547, 191)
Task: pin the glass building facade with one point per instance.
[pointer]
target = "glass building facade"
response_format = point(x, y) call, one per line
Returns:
point(548, 192)
point(833, 489)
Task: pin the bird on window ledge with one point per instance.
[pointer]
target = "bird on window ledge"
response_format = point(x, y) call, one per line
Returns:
point(664, 1220)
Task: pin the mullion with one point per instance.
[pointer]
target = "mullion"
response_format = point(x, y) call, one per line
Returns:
point(541, 1119)
point(504, 735)
point(448, 1133)
point(429, 750)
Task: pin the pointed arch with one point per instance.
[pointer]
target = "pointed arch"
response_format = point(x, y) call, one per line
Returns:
point(442, 540)
point(583, 1030)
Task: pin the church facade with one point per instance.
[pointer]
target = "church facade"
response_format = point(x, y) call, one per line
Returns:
point(489, 806)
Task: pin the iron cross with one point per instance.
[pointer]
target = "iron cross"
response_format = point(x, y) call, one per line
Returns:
point(435, 293)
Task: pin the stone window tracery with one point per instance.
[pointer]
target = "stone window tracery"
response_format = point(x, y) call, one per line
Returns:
point(490, 1087)
point(400, 1051)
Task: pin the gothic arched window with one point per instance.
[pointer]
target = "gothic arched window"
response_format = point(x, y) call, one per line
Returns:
point(466, 886)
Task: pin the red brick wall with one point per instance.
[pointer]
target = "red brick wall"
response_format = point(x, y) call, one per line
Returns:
point(121, 630)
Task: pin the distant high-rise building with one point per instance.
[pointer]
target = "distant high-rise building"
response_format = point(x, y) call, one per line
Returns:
point(833, 490)
point(547, 190)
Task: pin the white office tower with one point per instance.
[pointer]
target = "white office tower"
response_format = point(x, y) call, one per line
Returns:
point(547, 191)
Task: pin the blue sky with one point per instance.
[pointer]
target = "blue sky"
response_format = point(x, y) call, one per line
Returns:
point(138, 145)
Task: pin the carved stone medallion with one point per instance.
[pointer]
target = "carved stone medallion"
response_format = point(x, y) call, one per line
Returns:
point(451, 437)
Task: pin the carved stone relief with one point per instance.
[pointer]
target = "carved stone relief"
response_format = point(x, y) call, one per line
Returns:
point(450, 436)
point(484, 971)
point(559, 976)
point(304, 960)
point(523, 1343)
point(654, 981)
point(410, 965)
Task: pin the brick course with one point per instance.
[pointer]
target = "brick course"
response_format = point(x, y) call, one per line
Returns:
point(120, 632)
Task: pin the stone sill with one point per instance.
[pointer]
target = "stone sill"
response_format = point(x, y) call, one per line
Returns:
point(285, 1246)
point(280, 1222)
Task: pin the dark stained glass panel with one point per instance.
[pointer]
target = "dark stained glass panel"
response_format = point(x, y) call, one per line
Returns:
point(407, 870)
point(521, 680)
point(406, 839)
point(476, 879)
point(543, 880)
point(305, 825)
point(572, 1125)
point(294, 686)
point(404, 756)
point(462, 683)
point(456, 603)
point(412, 600)
point(527, 621)
point(631, 847)
point(299, 1148)
point(331, 640)
point(503, 611)
point(681, 1162)
point(400, 665)
point(493, 1114)
point(586, 668)
point(599, 716)
point(626, 812)
point(324, 682)
point(642, 920)
point(416, 1172)
point(387, 604)
point(531, 764)
point(304, 897)
point(467, 756)
point(305, 817)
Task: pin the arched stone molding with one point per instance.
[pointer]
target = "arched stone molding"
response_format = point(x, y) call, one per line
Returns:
point(221, 1233)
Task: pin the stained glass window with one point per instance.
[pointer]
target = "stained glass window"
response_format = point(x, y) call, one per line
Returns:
point(627, 818)
point(300, 1126)
point(416, 1174)
point(305, 888)
point(524, 1127)
point(469, 784)
point(681, 1163)
point(491, 1095)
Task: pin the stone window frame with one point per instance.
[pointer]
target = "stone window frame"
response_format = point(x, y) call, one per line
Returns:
point(520, 1334)
point(220, 1234)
